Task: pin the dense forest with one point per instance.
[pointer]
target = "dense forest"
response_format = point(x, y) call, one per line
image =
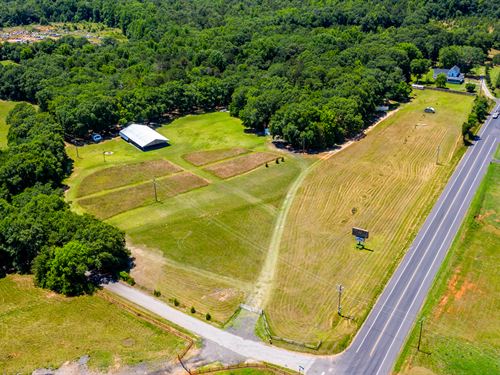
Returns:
point(310, 71)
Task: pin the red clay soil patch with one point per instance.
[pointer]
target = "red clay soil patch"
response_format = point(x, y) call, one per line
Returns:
point(111, 204)
point(206, 157)
point(126, 174)
point(452, 293)
point(241, 164)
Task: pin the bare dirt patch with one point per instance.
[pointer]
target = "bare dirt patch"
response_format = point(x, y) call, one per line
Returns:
point(111, 204)
point(241, 164)
point(126, 174)
point(223, 295)
point(453, 292)
point(211, 156)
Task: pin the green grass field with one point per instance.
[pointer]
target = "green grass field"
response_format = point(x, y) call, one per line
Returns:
point(494, 73)
point(385, 183)
point(5, 108)
point(461, 320)
point(212, 240)
point(40, 329)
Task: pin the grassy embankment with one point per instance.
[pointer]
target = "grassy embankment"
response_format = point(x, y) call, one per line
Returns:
point(461, 332)
point(5, 107)
point(211, 238)
point(494, 73)
point(385, 183)
point(41, 329)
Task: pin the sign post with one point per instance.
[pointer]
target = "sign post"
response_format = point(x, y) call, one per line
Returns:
point(361, 236)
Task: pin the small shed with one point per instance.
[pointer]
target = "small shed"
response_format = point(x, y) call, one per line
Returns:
point(143, 137)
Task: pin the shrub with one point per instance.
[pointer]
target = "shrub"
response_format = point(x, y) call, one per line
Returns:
point(441, 81)
point(156, 293)
point(208, 316)
point(193, 310)
point(176, 302)
point(125, 276)
point(470, 87)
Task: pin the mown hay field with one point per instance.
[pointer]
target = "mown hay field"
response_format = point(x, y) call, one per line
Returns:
point(204, 247)
point(385, 183)
point(110, 204)
point(122, 175)
point(40, 329)
point(5, 107)
point(199, 158)
point(242, 164)
point(461, 321)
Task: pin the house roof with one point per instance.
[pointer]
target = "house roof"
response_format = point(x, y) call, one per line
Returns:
point(440, 71)
point(143, 135)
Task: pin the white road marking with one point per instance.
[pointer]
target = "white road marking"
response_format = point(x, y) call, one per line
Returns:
point(483, 128)
point(436, 231)
point(436, 254)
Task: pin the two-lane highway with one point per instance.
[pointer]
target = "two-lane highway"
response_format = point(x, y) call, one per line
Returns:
point(383, 334)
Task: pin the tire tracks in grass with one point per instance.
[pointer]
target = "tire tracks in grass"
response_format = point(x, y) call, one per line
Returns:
point(263, 286)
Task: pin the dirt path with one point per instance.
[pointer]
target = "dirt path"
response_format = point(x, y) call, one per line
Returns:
point(487, 91)
point(263, 286)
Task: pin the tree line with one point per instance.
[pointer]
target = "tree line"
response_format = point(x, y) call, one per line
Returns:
point(312, 73)
point(67, 253)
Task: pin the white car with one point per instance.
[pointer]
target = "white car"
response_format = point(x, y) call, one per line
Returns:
point(496, 114)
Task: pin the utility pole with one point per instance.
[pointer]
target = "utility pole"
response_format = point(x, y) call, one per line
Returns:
point(437, 154)
point(78, 156)
point(420, 333)
point(104, 155)
point(154, 186)
point(340, 288)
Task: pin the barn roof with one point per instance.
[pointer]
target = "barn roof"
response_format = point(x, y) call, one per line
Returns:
point(142, 135)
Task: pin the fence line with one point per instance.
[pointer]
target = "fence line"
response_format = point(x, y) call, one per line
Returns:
point(450, 90)
point(145, 316)
point(261, 366)
point(271, 337)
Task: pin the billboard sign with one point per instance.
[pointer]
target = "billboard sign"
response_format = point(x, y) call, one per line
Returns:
point(360, 233)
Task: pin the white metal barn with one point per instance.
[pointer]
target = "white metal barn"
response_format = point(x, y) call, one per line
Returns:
point(143, 137)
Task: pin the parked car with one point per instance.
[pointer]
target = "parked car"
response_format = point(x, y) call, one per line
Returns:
point(496, 114)
point(96, 137)
point(430, 110)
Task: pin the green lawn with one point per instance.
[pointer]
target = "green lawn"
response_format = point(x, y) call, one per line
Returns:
point(428, 79)
point(212, 239)
point(5, 108)
point(40, 329)
point(494, 73)
point(461, 320)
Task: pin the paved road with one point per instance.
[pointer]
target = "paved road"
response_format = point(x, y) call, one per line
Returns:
point(247, 348)
point(380, 339)
point(377, 344)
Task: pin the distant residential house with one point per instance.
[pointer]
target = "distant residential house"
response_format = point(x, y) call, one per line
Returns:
point(453, 75)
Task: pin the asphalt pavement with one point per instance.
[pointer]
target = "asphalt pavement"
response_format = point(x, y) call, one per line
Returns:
point(379, 341)
point(383, 334)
